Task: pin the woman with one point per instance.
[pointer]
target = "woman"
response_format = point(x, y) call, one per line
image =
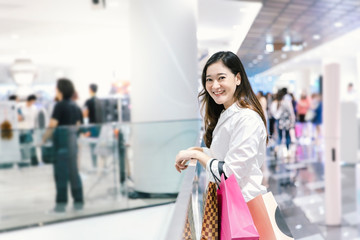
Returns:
point(64, 119)
point(235, 126)
point(302, 107)
point(286, 118)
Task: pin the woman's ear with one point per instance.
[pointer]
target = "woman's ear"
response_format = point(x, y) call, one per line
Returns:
point(238, 79)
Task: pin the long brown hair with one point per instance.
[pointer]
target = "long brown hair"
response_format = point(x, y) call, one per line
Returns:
point(244, 94)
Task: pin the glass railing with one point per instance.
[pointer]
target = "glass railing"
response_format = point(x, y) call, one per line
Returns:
point(89, 170)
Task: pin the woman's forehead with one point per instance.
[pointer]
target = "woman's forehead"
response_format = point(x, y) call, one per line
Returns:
point(217, 68)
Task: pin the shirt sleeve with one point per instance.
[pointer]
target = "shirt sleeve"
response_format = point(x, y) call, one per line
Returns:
point(242, 158)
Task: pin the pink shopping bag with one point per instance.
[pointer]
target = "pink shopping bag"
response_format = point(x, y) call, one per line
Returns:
point(235, 219)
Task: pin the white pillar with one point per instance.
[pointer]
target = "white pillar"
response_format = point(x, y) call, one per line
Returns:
point(164, 88)
point(331, 118)
point(303, 83)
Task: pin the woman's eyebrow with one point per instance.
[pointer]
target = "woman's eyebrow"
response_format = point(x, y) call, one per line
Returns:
point(216, 74)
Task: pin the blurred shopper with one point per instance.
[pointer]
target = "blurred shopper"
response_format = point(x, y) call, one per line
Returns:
point(286, 118)
point(351, 95)
point(302, 107)
point(317, 120)
point(260, 96)
point(26, 128)
point(93, 113)
point(16, 99)
point(235, 126)
point(272, 117)
point(63, 125)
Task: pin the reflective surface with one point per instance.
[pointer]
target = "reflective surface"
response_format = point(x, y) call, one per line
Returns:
point(296, 178)
point(107, 165)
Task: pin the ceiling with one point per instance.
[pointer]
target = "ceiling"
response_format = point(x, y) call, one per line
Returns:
point(60, 34)
point(224, 24)
point(308, 22)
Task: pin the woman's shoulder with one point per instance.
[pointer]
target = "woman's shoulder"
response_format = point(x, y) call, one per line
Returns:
point(247, 114)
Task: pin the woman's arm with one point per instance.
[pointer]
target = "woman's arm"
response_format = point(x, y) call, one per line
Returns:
point(49, 131)
point(194, 153)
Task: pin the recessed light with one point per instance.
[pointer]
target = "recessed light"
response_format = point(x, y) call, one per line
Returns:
point(250, 65)
point(260, 57)
point(14, 36)
point(316, 36)
point(255, 61)
point(338, 24)
point(283, 56)
point(276, 60)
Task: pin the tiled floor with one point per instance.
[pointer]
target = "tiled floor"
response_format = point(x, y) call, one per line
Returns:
point(297, 181)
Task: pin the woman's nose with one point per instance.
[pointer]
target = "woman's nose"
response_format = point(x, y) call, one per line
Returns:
point(215, 84)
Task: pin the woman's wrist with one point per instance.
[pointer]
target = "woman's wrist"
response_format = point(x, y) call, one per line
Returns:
point(202, 157)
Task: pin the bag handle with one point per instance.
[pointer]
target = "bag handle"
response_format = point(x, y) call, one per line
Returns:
point(217, 180)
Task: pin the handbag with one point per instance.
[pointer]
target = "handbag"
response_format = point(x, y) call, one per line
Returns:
point(268, 219)
point(236, 221)
point(210, 223)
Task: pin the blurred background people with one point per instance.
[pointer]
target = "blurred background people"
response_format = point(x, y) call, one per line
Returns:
point(286, 119)
point(93, 114)
point(26, 127)
point(302, 107)
point(63, 125)
point(262, 99)
point(317, 120)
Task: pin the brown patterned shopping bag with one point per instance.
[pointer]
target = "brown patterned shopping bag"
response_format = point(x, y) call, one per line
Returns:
point(210, 225)
point(189, 230)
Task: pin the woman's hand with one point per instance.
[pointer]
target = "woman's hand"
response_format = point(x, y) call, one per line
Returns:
point(182, 158)
point(193, 153)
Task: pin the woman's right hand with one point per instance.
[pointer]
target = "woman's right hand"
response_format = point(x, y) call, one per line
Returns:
point(196, 148)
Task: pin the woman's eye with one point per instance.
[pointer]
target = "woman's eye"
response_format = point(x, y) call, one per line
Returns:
point(222, 77)
point(209, 80)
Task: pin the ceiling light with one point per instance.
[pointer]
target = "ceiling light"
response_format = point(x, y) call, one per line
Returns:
point(255, 61)
point(338, 24)
point(276, 60)
point(260, 57)
point(283, 56)
point(250, 65)
point(316, 36)
point(269, 47)
point(235, 27)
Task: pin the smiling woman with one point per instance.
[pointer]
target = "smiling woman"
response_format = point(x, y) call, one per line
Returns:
point(235, 126)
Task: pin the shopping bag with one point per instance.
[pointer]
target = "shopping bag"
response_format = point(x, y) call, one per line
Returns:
point(189, 229)
point(268, 219)
point(236, 221)
point(210, 223)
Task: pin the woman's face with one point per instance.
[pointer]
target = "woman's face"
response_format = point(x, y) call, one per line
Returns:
point(221, 84)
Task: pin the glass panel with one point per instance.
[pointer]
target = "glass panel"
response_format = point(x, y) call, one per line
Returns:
point(89, 170)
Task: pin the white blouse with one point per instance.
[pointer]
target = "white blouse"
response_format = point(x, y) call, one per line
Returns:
point(239, 139)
